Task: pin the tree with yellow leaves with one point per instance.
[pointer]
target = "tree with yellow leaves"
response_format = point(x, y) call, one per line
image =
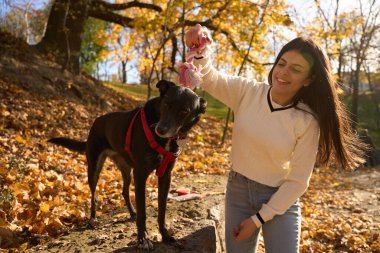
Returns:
point(65, 27)
point(332, 28)
point(231, 22)
point(120, 43)
point(347, 37)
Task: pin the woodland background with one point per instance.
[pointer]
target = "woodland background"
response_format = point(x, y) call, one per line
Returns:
point(63, 63)
point(147, 37)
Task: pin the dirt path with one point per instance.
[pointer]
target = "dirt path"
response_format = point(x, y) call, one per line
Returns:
point(366, 192)
point(198, 223)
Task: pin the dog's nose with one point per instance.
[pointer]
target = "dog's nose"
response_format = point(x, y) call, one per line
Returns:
point(162, 129)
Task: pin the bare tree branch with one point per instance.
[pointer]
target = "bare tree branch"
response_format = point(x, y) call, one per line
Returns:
point(118, 7)
point(111, 17)
point(105, 11)
point(324, 14)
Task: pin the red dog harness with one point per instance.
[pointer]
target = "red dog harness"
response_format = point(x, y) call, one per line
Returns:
point(168, 156)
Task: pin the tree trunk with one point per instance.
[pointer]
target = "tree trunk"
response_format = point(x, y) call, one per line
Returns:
point(97, 71)
point(355, 98)
point(78, 14)
point(340, 65)
point(54, 37)
point(124, 71)
point(153, 68)
point(374, 98)
point(64, 31)
point(183, 32)
point(27, 22)
point(226, 125)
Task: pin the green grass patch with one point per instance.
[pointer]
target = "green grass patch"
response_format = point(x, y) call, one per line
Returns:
point(215, 108)
point(139, 92)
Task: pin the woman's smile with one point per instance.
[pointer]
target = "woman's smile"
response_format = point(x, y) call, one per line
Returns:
point(281, 81)
point(290, 74)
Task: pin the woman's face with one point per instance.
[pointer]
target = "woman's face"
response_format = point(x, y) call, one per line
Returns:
point(290, 73)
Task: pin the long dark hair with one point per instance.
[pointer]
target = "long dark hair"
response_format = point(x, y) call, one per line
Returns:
point(337, 138)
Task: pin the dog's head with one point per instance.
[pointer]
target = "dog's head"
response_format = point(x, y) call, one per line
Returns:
point(180, 109)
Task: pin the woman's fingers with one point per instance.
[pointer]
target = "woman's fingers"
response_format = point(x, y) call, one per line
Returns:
point(244, 230)
point(235, 234)
point(197, 36)
point(192, 36)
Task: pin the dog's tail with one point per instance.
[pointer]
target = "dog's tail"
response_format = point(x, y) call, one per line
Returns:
point(74, 145)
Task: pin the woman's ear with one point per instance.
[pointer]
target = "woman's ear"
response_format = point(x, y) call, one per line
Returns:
point(309, 81)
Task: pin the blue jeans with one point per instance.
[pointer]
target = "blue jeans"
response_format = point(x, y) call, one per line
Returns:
point(244, 198)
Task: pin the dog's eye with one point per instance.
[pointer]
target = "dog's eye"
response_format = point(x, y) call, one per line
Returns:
point(183, 113)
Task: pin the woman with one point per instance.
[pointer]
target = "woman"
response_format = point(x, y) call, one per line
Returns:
point(278, 131)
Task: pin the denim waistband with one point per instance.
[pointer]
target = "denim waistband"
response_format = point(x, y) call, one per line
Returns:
point(233, 174)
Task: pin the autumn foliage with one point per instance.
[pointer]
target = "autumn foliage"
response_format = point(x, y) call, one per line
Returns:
point(44, 188)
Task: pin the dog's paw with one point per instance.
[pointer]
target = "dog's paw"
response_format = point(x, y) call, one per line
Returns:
point(170, 240)
point(92, 223)
point(133, 217)
point(145, 244)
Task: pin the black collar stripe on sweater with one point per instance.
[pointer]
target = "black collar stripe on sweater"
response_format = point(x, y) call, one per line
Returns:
point(272, 109)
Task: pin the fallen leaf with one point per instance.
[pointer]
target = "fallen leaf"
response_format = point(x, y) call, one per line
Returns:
point(45, 208)
point(20, 140)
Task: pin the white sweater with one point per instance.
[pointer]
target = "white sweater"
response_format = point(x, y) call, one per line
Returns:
point(271, 144)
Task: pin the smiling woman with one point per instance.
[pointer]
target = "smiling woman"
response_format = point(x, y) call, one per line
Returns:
point(278, 131)
point(290, 74)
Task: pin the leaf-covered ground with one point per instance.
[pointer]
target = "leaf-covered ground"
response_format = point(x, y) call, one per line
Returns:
point(43, 189)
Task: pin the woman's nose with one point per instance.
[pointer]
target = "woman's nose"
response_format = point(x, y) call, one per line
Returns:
point(284, 71)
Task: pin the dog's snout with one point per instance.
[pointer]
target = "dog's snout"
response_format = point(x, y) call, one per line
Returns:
point(162, 129)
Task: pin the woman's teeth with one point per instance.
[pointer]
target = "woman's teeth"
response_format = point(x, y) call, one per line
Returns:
point(281, 81)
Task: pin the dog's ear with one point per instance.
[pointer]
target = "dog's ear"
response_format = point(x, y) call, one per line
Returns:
point(202, 105)
point(163, 86)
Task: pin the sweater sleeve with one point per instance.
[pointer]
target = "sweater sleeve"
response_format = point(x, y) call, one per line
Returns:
point(228, 89)
point(295, 184)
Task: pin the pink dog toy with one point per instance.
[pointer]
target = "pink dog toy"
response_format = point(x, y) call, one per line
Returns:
point(198, 40)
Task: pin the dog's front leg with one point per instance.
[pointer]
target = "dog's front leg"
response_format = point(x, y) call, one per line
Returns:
point(163, 190)
point(140, 182)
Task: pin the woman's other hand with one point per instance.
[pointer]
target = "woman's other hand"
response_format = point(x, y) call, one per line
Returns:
point(244, 230)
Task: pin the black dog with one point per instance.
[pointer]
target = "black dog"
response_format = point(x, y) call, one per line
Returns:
point(121, 136)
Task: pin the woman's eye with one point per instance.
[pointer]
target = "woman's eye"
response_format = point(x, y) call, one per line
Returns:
point(295, 70)
point(280, 64)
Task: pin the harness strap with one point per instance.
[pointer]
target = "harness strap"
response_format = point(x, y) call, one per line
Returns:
point(128, 138)
point(167, 156)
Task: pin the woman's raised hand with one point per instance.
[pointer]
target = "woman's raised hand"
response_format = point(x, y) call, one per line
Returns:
point(197, 38)
point(199, 41)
